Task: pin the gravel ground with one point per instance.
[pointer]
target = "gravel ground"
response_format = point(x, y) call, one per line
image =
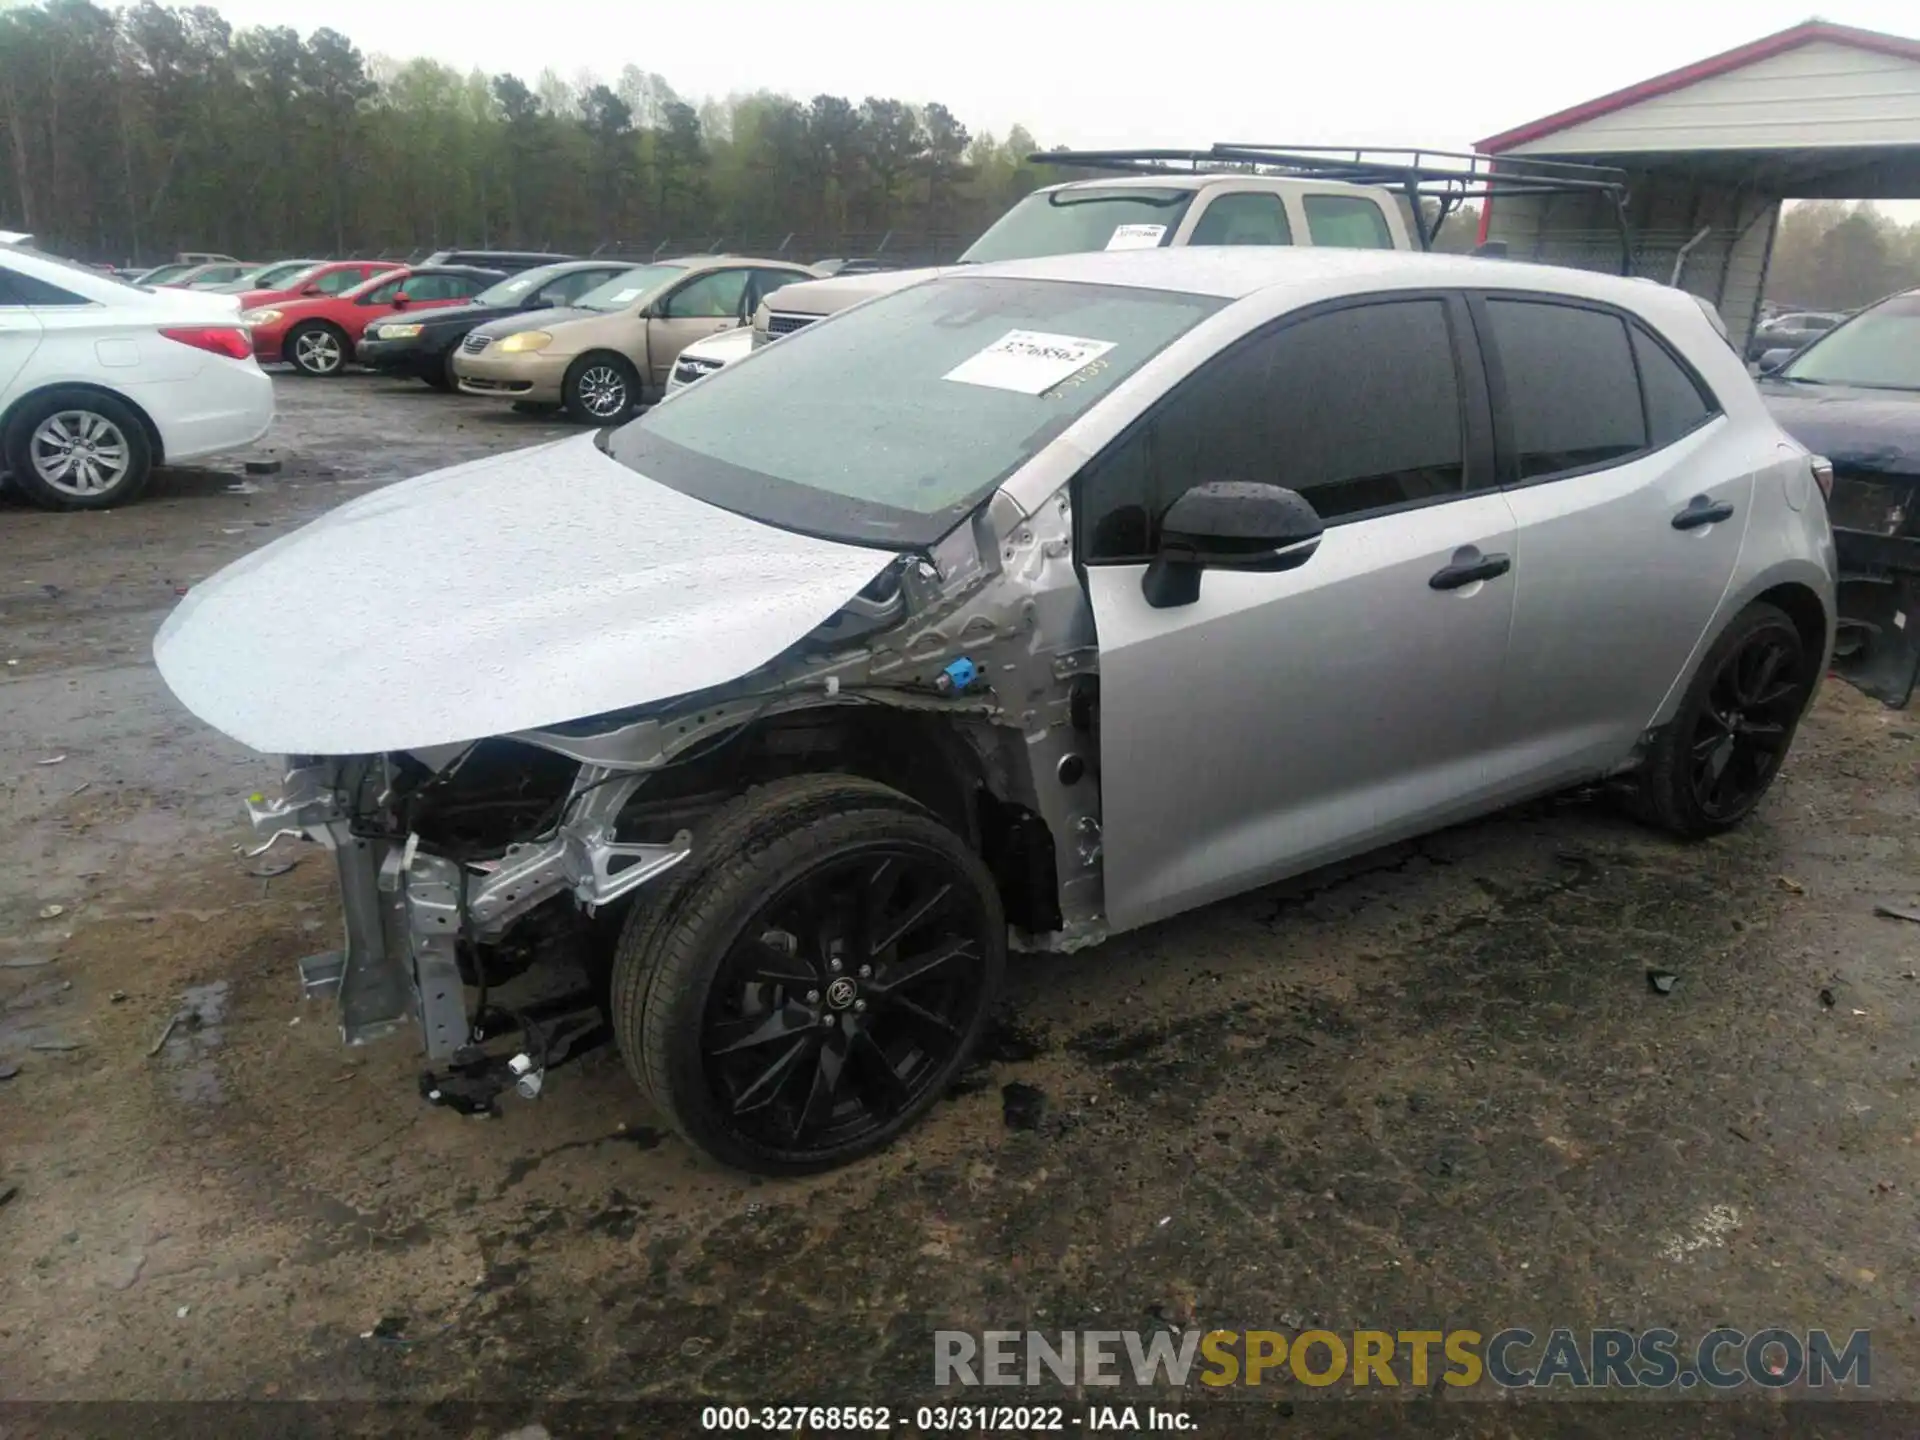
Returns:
point(1434, 1089)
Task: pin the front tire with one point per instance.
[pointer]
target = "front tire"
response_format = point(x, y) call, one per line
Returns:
point(441, 376)
point(601, 390)
point(812, 978)
point(78, 450)
point(1715, 762)
point(316, 350)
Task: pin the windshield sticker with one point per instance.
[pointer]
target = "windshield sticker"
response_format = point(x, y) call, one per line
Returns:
point(1136, 237)
point(1029, 361)
point(623, 296)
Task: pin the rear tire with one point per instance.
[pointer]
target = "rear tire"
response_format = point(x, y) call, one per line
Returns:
point(601, 389)
point(78, 450)
point(316, 349)
point(1715, 762)
point(805, 985)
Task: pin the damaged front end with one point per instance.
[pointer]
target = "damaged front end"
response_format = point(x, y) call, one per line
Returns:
point(962, 677)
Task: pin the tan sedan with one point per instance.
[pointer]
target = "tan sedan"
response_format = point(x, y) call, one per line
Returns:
point(614, 348)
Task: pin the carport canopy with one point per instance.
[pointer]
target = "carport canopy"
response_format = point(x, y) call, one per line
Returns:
point(1818, 111)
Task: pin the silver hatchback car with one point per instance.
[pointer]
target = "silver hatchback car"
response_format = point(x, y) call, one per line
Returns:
point(1016, 609)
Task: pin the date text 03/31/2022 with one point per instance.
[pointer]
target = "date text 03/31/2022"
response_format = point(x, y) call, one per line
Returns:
point(943, 1419)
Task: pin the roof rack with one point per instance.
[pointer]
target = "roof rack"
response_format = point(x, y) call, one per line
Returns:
point(1446, 177)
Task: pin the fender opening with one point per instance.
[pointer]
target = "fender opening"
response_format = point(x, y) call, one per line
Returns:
point(1877, 644)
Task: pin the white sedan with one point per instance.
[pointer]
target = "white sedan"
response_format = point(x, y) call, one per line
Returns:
point(100, 380)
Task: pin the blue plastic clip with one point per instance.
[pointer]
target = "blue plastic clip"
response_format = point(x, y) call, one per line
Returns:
point(957, 677)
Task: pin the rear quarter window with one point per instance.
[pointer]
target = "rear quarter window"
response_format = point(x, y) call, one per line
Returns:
point(1350, 222)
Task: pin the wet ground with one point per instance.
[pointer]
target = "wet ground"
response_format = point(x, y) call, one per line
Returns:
point(1432, 1091)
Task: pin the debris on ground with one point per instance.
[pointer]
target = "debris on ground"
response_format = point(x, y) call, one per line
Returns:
point(55, 1046)
point(165, 1035)
point(243, 487)
point(1898, 912)
point(1662, 981)
point(1826, 997)
point(268, 872)
point(1790, 885)
point(387, 1327)
point(274, 840)
point(1022, 1105)
point(116, 997)
point(8, 1069)
point(31, 962)
point(7, 1192)
point(82, 786)
point(52, 912)
point(51, 760)
point(263, 467)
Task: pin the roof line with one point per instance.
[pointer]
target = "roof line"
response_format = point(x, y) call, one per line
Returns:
point(1806, 33)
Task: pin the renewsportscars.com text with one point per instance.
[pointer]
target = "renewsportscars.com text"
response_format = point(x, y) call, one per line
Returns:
point(1771, 1357)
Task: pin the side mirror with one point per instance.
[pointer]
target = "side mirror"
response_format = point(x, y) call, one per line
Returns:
point(1772, 360)
point(1491, 250)
point(399, 301)
point(1228, 525)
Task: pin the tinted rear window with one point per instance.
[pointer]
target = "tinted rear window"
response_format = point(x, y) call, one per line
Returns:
point(1572, 396)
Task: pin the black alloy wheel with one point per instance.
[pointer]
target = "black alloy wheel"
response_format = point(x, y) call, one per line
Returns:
point(1740, 735)
point(844, 997)
point(1709, 768)
point(803, 986)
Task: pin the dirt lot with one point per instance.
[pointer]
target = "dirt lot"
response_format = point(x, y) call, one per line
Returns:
point(1435, 1090)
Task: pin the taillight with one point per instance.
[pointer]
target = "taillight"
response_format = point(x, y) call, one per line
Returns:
point(1823, 475)
point(228, 340)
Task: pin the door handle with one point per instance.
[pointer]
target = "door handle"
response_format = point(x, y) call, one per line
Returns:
point(1702, 511)
point(1465, 572)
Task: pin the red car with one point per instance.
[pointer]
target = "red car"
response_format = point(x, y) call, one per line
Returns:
point(316, 334)
point(330, 277)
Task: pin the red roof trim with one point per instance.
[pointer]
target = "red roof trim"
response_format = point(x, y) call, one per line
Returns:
point(1764, 49)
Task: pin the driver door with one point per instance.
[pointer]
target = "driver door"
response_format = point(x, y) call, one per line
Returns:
point(703, 306)
point(1284, 720)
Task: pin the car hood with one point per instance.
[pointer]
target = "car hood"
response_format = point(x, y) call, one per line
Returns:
point(474, 314)
point(726, 347)
point(534, 320)
point(514, 592)
point(831, 296)
point(1854, 427)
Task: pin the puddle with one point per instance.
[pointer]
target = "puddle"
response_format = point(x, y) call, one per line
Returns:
point(190, 1050)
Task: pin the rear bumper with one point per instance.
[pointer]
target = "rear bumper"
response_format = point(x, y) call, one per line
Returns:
point(227, 405)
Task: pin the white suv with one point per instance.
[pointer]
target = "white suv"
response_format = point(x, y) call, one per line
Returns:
point(1131, 212)
point(101, 380)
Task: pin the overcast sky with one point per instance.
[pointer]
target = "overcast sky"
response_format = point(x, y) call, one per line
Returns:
point(1077, 72)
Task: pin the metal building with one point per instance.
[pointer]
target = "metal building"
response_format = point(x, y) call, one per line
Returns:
point(1711, 150)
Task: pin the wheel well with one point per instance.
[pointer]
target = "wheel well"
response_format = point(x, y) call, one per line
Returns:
point(1809, 617)
point(623, 361)
point(82, 387)
point(919, 756)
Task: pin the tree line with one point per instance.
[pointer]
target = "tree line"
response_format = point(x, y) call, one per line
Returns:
point(129, 134)
point(1831, 255)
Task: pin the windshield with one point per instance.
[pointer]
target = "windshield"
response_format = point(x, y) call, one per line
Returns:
point(1070, 222)
point(889, 424)
point(624, 290)
point(516, 288)
point(272, 277)
point(164, 273)
point(1879, 348)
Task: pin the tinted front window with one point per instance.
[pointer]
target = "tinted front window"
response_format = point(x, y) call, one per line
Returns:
point(1249, 219)
point(889, 425)
point(377, 294)
point(1357, 409)
point(1675, 403)
point(1878, 348)
point(1572, 396)
point(1348, 221)
point(336, 282)
point(1070, 222)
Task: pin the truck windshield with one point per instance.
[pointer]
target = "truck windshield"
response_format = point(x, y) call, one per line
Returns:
point(1878, 348)
point(1070, 222)
point(888, 424)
